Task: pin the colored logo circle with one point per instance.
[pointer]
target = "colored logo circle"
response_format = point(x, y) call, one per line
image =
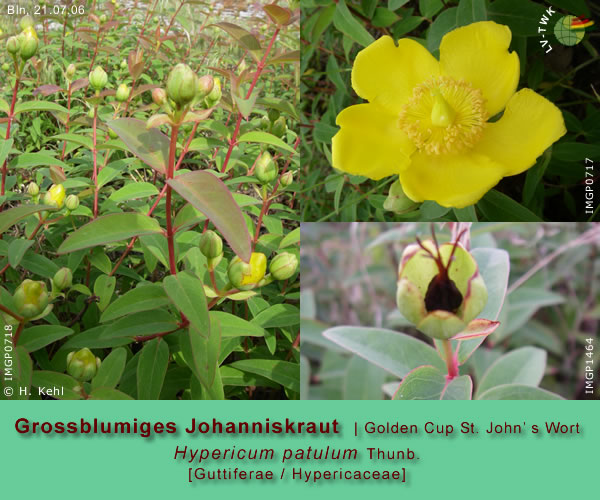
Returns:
point(565, 34)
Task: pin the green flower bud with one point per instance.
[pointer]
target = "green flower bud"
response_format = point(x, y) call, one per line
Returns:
point(98, 78)
point(70, 73)
point(63, 278)
point(245, 276)
point(90, 113)
point(273, 115)
point(124, 64)
point(72, 202)
point(213, 98)
point(122, 93)
point(439, 297)
point(205, 85)
point(31, 298)
point(5, 67)
point(102, 18)
point(211, 244)
point(13, 45)
point(266, 169)
point(55, 196)
point(29, 43)
point(397, 201)
point(159, 96)
point(287, 179)
point(33, 189)
point(283, 266)
point(181, 85)
point(279, 127)
point(265, 124)
point(82, 364)
point(26, 22)
point(112, 134)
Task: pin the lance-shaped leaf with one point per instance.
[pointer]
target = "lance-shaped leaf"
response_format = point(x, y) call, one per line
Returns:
point(187, 293)
point(14, 215)
point(279, 15)
point(246, 39)
point(202, 354)
point(208, 194)
point(110, 228)
point(149, 145)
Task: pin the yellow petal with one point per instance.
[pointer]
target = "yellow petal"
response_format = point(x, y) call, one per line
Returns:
point(386, 74)
point(370, 143)
point(529, 125)
point(478, 53)
point(457, 180)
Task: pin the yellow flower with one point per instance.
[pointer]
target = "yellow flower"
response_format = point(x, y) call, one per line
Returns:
point(244, 275)
point(427, 120)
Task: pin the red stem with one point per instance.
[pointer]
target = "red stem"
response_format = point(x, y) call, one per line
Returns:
point(62, 155)
point(10, 119)
point(451, 360)
point(170, 171)
point(94, 153)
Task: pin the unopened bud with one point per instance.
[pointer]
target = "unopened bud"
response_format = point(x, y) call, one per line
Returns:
point(181, 85)
point(26, 22)
point(273, 114)
point(266, 169)
point(33, 189)
point(205, 85)
point(283, 266)
point(55, 196)
point(29, 43)
point(82, 365)
point(63, 278)
point(102, 18)
point(13, 45)
point(5, 67)
point(265, 124)
point(213, 98)
point(211, 244)
point(31, 298)
point(122, 93)
point(98, 78)
point(287, 179)
point(123, 64)
point(159, 96)
point(245, 276)
point(72, 202)
point(279, 127)
point(70, 73)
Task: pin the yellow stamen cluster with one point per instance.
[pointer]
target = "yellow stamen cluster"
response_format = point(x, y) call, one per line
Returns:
point(444, 116)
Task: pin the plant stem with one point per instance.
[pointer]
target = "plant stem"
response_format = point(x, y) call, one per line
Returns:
point(62, 155)
point(94, 153)
point(451, 361)
point(170, 172)
point(18, 332)
point(10, 119)
point(10, 313)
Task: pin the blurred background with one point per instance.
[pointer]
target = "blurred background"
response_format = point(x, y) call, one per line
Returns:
point(348, 277)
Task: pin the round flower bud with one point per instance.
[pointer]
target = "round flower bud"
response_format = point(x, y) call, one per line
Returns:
point(98, 78)
point(283, 266)
point(266, 169)
point(31, 298)
point(102, 18)
point(90, 113)
point(123, 64)
point(213, 98)
point(72, 202)
point(205, 85)
point(29, 43)
point(33, 189)
point(13, 45)
point(70, 73)
point(211, 244)
point(159, 96)
point(26, 22)
point(245, 276)
point(273, 114)
point(287, 179)
point(112, 134)
point(265, 124)
point(279, 127)
point(181, 85)
point(5, 67)
point(82, 364)
point(122, 93)
point(55, 196)
point(63, 278)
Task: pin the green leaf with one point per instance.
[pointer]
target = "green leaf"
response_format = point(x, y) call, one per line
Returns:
point(266, 138)
point(141, 298)
point(234, 326)
point(36, 337)
point(111, 370)
point(282, 372)
point(104, 286)
point(187, 294)
point(246, 39)
point(16, 250)
point(108, 393)
point(534, 176)
point(396, 4)
point(13, 215)
point(134, 190)
point(22, 370)
point(108, 229)
point(395, 352)
point(82, 140)
point(149, 145)
point(521, 16)
point(47, 381)
point(39, 106)
point(524, 366)
point(152, 368)
point(279, 315)
point(516, 392)
point(345, 22)
point(291, 238)
point(467, 214)
point(427, 382)
point(496, 206)
point(25, 160)
point(324, 19)
point(279, 15)
point(362, 380)
point(5, 145)
point(201, 354)
point(231, 376)
point(208, 194)
point(471, 11)
point(245, 106)
point(575, 151)
point(443, 23)
point(494, 267)
point(429, 8)
point(384, 17)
